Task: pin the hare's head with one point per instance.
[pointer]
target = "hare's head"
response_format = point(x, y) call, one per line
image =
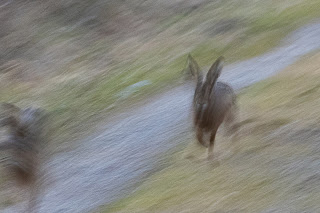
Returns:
point(23, 121)
point(32, 119)
point(205, 85)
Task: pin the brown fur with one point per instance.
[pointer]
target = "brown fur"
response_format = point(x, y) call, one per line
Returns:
point(213, 103)
point(25, 132)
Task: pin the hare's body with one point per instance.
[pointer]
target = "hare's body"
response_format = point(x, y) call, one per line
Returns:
point(221, 102)
point(213, 103)
point(24, 133)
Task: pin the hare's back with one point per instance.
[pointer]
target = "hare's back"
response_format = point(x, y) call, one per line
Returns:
point(221, 102)
point(224, 94)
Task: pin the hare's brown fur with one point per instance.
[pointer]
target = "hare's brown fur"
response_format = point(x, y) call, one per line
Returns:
point(213, 103)
point(25, 132)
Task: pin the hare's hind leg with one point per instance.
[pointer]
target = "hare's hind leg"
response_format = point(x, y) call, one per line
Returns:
point(211, 144)
point(199, 134)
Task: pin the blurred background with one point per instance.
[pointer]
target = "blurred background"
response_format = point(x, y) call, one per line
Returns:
point(112, 76)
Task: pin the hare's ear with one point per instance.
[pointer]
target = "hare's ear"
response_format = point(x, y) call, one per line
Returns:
point(193, 66)
point(10, 107)
point(9, 121)
point(214, 71)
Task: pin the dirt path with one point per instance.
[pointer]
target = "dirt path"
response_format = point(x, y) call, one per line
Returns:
point(111, 164)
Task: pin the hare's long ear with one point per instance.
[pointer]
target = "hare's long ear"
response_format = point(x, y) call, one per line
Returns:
point(9, 107)
point(214, 72)
point(194, 68)
point(9, 121)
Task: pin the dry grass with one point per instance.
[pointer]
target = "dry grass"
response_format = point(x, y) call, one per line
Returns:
point(75, 59)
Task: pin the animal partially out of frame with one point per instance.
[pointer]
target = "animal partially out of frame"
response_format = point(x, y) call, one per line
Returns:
point(25, 134)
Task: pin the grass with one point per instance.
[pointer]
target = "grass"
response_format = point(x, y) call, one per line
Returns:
point(79, 101)
point(274, 168)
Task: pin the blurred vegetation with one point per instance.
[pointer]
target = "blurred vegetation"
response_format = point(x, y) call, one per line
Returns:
point(275, 164)
point(79, 59)
point(83, 59)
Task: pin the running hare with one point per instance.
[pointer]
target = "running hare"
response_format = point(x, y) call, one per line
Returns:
point(25, 132)
point(213, 103)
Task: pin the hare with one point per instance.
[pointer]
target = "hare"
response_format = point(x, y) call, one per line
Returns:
point(25, 131)
point(213, 103)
